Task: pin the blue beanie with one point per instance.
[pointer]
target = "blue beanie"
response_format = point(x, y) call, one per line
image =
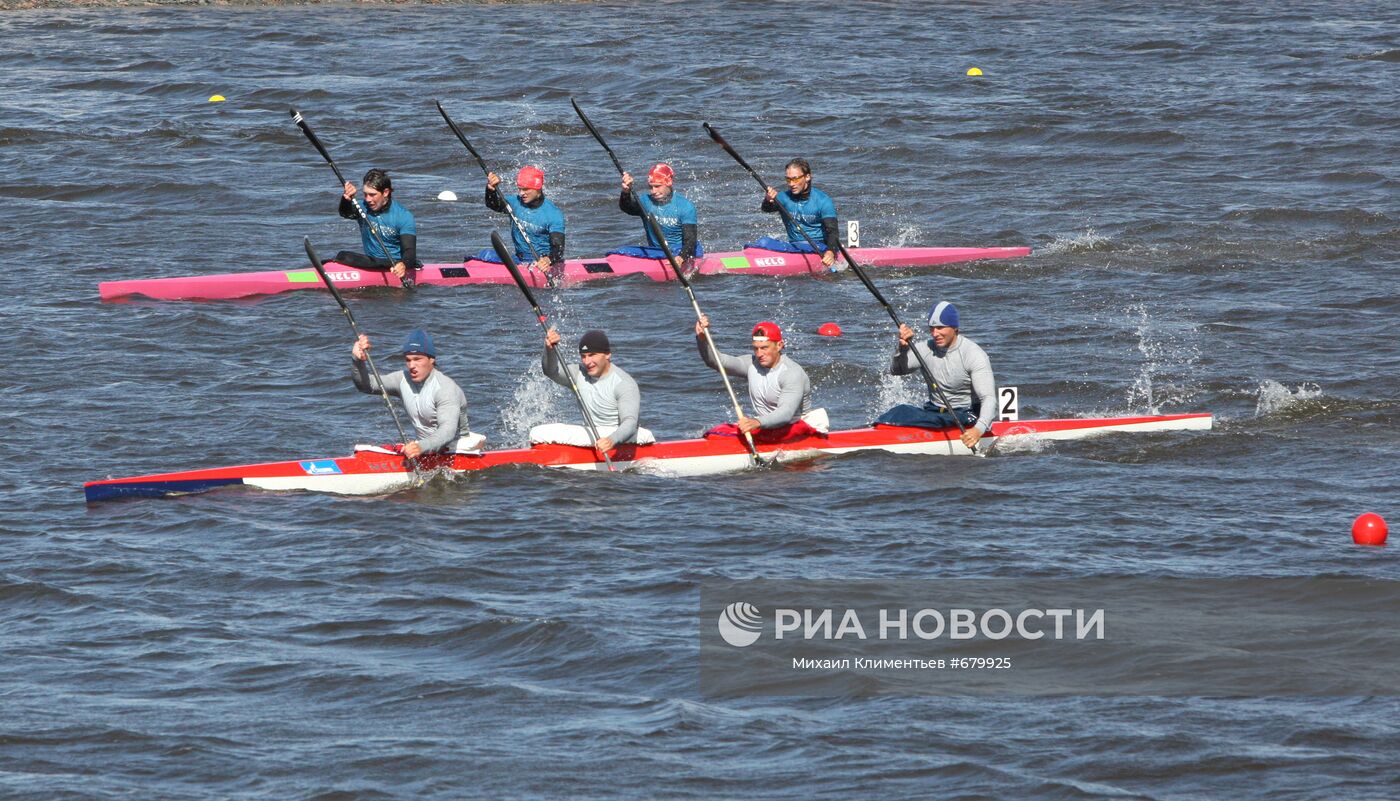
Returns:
point(419, 342)
point(944, 313)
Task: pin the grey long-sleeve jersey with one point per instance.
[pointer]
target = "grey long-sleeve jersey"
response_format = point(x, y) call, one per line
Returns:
point(963, 372)
point(437, 407)
point(780, 394)
point(612, 400)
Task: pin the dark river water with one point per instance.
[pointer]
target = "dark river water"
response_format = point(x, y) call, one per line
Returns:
point(1211, 195)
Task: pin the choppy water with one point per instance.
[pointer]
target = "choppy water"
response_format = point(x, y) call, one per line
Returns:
point(1211, 193)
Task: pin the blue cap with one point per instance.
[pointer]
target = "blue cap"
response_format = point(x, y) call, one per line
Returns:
point(419, 342)
point(944, 313)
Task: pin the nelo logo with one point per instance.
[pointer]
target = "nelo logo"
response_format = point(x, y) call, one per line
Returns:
point(770, 261)
point(740, 624)
point(344, 275)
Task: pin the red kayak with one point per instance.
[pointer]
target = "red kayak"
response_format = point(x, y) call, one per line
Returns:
point(376, 471)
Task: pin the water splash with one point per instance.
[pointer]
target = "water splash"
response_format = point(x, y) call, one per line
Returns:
point(1170, 355)
point(894, 390)
point(908, 236)
point(1020, 440)
point(533, 402)
point(1275, 397)
point(1086, 241)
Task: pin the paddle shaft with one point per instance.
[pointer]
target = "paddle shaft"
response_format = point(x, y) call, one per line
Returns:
point(509, 261)
point(369, 360)
point(671, 259)
point(935, 391)
point(746, 437)
point(364, 215)
point(519, 226)
point(647, 218)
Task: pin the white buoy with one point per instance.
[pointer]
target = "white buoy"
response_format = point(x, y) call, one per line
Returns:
point(447, 194)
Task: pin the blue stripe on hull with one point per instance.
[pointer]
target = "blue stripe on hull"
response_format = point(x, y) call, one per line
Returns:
point(154, 489)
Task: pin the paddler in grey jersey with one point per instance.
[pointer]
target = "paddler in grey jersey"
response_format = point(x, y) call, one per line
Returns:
point(960, 368)
point(608, 392)
point(434, 402)
point(779, 391)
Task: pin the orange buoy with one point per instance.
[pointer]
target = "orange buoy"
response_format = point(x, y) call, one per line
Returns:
point(829, 330)
point(1369, 529)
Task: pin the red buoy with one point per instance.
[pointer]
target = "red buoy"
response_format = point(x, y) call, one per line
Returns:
point(829, 330)
point(1369, 529)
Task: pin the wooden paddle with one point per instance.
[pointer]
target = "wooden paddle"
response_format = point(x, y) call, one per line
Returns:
point(935, 391)
point(675, 263)
point(509, 260)
point(384, 393)
point(407, 279)
point(519, 226)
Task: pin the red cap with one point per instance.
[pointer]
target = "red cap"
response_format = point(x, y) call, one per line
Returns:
point(662, 174)
point(768, 332)
point(530, 178)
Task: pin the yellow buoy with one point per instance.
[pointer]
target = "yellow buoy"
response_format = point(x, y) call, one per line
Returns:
point(974, 72)
point(216, 98)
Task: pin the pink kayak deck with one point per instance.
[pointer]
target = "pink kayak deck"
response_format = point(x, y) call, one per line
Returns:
point(753, 261)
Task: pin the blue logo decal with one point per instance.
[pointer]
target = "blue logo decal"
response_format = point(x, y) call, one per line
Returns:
point(321, 467)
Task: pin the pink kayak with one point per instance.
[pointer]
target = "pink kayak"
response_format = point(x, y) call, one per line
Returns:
point(751, 260)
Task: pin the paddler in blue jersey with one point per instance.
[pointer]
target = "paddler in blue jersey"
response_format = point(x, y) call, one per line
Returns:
point(392, 222)
point(435, 404)
point(611, 396)
point(779, 391)
point(960, 368)
point(807, 207)
point(542, 220)
point(674, 214)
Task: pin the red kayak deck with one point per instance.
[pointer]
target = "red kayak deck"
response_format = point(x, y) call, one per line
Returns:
point(377, 471)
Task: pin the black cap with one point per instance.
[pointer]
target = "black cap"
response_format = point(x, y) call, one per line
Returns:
point(594, 342)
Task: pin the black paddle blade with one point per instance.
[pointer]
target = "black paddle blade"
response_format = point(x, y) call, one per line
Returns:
point(311, 253)
point(865, 279)
point(714, 134)
point(734, 154)
point(587, 123)
point(326, 279)
point(316, 142)
point(461, 137)
point(509, 261)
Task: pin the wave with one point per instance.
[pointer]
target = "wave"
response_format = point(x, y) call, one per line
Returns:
point(1273, 214)
point(1087, 241)
point(1162, 44)
point(1275, 398)
point(1358, 178)
point(1391, 56)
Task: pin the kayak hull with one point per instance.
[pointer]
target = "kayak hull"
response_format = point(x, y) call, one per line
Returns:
point(751, 261)
point(376, 471)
